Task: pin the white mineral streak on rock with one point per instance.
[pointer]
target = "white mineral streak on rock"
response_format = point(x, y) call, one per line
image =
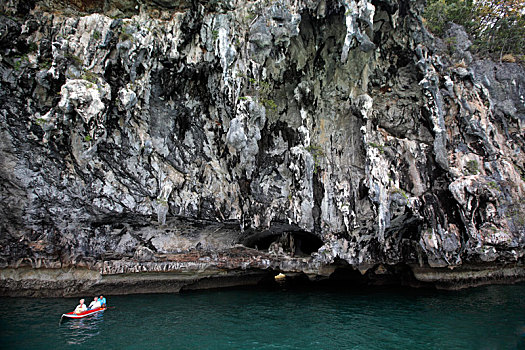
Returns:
point(236, 137)
point(83, 46)
point(465, 190)
point(85, 98)
point(226, 49)
point(430, 84)
point(285, 199)
point(412, 156)
point(364, 11)
point(449, 85)
point(304, 210)
point(244, 132)
point(344, 206)
point(162, 199)
point(351, 27)
point(364, 103)
point(303, 129)
point(168, 179)
point(127, 99)
point(431, 242)
point(377, 169)
point(172, 34)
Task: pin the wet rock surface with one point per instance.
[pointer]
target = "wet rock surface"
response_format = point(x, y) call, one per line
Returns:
point(182, 137)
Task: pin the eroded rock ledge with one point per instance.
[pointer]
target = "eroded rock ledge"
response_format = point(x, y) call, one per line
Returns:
point(238, 266)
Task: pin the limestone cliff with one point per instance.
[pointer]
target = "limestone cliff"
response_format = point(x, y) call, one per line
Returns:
point(226, 137)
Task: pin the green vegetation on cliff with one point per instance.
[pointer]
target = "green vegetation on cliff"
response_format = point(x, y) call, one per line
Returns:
point(497, 27)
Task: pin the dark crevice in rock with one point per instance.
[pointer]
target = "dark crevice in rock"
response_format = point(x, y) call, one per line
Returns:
point(318, 199)
point(296, 243)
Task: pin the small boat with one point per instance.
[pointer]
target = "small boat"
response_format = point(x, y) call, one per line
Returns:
point(83, 313)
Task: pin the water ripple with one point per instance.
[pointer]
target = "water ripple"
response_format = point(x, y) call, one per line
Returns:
point(483, 318)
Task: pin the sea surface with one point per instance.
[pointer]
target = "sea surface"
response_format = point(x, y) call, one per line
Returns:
point(491, 317)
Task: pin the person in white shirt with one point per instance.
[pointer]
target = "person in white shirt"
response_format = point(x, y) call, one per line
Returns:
point(95, 304)
point(81, 307)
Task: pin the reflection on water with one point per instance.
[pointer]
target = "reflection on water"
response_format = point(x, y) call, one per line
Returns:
point(78, 331)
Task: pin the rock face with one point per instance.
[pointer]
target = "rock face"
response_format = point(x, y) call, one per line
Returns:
point(307, 134)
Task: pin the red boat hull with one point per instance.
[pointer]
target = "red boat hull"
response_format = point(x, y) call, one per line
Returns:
point(84, 313)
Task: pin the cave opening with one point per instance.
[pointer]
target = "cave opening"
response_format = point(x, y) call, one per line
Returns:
point(295, 243)
point(346, 276)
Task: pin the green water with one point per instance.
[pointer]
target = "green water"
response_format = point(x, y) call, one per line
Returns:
point(490, 317)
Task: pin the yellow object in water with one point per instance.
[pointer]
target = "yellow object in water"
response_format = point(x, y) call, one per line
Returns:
point(280, 277)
